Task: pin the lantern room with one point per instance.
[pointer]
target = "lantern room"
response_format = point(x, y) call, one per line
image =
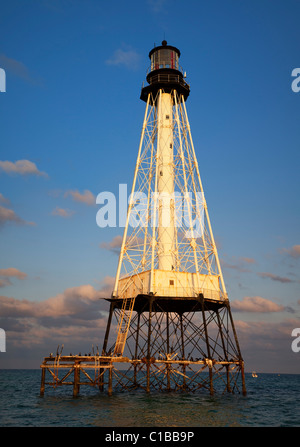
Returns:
point(164, 56)
point(164, 73)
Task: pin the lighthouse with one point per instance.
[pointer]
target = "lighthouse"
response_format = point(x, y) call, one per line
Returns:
point(169, 325)
point(169, 304)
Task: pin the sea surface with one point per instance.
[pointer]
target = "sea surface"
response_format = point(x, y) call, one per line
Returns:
point(272, 401)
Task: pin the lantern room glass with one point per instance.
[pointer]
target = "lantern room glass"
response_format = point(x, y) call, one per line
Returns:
point(164, 58)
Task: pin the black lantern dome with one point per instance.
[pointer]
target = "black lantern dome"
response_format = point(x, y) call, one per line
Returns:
point(164, 72)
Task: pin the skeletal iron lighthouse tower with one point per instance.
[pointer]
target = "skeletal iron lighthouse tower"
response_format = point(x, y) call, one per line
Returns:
point(170, 320)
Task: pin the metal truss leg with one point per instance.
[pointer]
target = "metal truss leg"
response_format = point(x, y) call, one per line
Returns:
point(76, 386)
point(149, 347)
point(42, 389)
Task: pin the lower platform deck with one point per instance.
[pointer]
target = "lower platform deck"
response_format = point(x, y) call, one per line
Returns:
point(171, 304)
point(97, 371)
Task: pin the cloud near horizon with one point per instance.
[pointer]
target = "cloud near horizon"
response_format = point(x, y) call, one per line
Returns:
point(263, 337)
point(77, 319)
point(255, 304)
point(12, 271)
point(70, 314)
point(6, 274)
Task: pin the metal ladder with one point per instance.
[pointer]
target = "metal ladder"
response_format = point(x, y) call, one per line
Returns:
point(123, 325)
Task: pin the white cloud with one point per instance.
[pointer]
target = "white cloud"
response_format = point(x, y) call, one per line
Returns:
point(113, 245)
point(241, 264)
point(248, 260)
point(128, 58)
point(156, 5)
point(76, 314)
point(14, 66)
point(22, 167)
point(19, 69)
point(86, 197)
point(3, 199)
point(294, 252)
point(278, 278)
point(62, 212)
point(12, 271)
point(255, 304)
point(7, 215)
point(5, 282)
point(6, 274)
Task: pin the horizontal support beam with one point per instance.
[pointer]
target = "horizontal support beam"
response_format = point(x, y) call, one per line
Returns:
point(73, 365)
point(96, 382)
point(188, 362)
point(110, 360)
point(78, 358)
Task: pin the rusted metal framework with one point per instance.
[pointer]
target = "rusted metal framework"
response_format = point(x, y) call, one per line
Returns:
point(75, 371)
point(177, 345)
point(171, 345)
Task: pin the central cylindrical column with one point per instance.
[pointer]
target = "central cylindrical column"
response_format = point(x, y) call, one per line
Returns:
point(165, 182)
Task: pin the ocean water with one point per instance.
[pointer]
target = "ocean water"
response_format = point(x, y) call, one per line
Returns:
point(272, 401)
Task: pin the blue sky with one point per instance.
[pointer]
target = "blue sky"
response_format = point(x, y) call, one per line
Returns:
point(74, 70)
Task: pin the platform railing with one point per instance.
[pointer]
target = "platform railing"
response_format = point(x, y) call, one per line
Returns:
point(185, 292)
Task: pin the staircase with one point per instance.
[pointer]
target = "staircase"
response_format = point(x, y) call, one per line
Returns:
point(123, 325)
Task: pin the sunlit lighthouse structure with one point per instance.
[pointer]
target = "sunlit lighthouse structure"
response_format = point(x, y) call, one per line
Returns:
point(169, 326)
point(172, 320)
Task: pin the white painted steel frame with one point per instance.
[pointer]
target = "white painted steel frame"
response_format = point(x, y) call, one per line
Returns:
point(143, 239)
